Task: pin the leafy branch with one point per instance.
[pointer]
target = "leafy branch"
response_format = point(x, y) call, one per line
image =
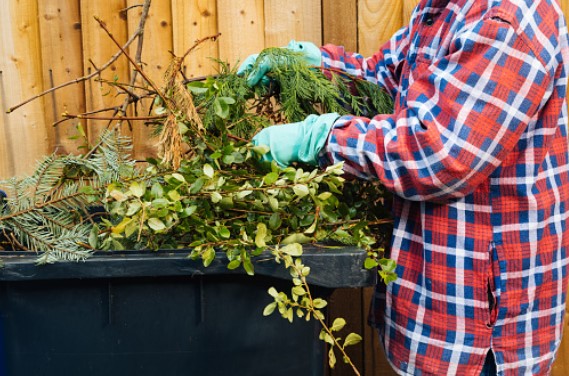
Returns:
point(302, 304)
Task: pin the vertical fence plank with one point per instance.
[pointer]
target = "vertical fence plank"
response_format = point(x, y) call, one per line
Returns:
point(346, 303)
point(377, 21)
point(98, 48)
point(157, 44)
point(296, 19)
point(408, 6)
point(340, 23)
point(242, 27)
point(194, 20)
point(60, 28)
point(23, 130)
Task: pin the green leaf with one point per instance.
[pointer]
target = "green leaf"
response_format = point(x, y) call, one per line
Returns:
point(338, 324)
point(156, 224)
point(331, 358)
point(271, 178)
point(87, 190)
point(269, 309)
point(298, 290)
point(182, 128)
point(118, 195)
point(260, 236)
point(352, 339)
point(324, 196)
point(208, 170)
point(248, 266)
point(197, 186)
point(296, 238)
point(301, 190)
point(224, 232)
point(273, 292)
point(387, 277)
point(208, 256)
point(157, 190)
point(179, 177)
point(197, 87)
point(319, 303)
point(273, 203)
point(370, 263)
point(133, 208)
point(293, 249)
point(227, 100)
point(221, 108)
point(275, 221)
point(387, 265)
point(216, 197)
point(190, 210)
point(174, 195)
point(94, 236)
point(260, 149)
point(324, 336)
point(234, 264)
point(131, 228)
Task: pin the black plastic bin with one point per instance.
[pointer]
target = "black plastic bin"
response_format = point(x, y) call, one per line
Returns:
point(159, 313)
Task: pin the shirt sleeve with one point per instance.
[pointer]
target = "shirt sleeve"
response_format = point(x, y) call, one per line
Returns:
point(463, 115)
point(383, 68)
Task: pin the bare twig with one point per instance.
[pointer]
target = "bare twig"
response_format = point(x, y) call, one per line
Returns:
point(89, 76)
point(132, 61)
point(138, 57)
point(112, 118)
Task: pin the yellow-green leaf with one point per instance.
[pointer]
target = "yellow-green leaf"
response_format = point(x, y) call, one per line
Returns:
point(269, 309)
point(301, 190)
point(208, 170)
point(352, 339)
point(156, 224)
point(338, 324)
point(260, 236)
point(331, 358)
point(293, 249)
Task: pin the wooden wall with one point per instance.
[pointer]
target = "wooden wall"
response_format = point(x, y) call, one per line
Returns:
point(45, 43)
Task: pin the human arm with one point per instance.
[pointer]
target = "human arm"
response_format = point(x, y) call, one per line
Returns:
point(383, 68)
point(464, 114)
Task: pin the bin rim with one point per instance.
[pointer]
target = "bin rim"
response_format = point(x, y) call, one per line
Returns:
point(337, 267)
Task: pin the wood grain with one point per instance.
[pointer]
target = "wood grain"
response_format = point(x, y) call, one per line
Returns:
point(24, 132)
point(242, 27)
point(340, 23)
point(194, 20)
point(293, 19)
point(98, 48)
point(377, 21)
point(60, 28)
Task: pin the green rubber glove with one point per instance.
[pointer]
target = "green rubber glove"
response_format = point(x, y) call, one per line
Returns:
point(296, 142)
point(311, 53)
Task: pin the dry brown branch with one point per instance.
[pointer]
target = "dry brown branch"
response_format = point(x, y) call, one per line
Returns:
point(97, 70)
point(137, 57)
point(130, 58)
point(113, 118)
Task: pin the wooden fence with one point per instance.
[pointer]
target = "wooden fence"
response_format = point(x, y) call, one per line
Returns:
point(45, 43)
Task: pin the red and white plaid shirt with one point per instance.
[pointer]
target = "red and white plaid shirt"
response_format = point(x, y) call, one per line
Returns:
point(476, 154)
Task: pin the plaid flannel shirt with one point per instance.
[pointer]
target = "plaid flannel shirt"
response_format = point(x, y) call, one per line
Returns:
point(476, 154)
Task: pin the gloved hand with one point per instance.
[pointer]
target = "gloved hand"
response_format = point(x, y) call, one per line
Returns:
point(311, 54)
point(296, 142)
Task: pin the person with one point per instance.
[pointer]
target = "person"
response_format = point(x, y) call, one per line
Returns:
point(475, 153)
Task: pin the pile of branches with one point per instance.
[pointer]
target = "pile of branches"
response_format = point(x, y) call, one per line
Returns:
point(210, 190)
